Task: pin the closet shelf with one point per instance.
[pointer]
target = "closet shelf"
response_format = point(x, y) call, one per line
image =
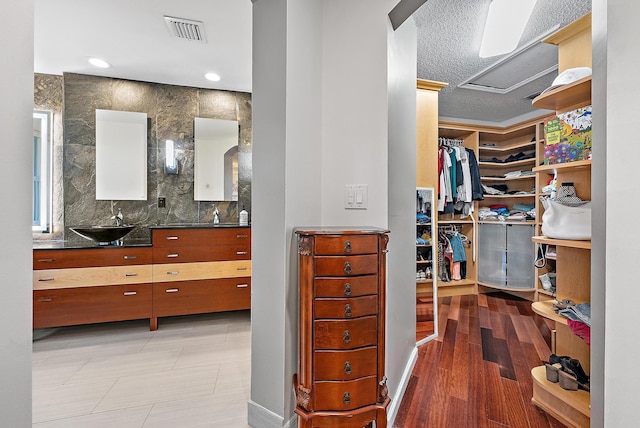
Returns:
point(522, 145)
point(454, 221)
point(424, 281)
point(571, 96)
point(495, 179)
point(501, 165)
point(456, 283)
point(507, 222)
point(510, 289)
point(562, 242)
point(544, 309)
point(508, 196)
point(570, 407)
point(563, 166)
point(423, 224)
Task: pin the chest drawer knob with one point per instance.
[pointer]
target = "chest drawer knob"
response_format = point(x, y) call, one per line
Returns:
point(346, 337)
point(347, 289)
point(347, 247)
point(347, 368)
point(347, 310)
point(347, 268)
point(346, 398)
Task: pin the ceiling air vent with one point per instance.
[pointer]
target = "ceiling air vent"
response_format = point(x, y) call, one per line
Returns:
point(186, 29)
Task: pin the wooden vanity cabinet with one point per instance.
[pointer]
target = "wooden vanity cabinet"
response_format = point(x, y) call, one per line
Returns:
point(200, 270)
point(341, 380)
point(90, 285)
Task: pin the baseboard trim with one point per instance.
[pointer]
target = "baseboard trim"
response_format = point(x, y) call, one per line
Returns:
point(392, 410)
point(261, 417)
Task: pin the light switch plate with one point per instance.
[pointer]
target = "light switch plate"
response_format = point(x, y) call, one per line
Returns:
point(356, 197)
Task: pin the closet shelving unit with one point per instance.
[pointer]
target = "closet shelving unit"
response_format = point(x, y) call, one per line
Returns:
point(465, 225)
point(426, 250)
point(573, 258)
point(501, 145)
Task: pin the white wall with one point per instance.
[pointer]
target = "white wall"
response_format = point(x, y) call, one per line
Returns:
point(285, 191)
point(330, 130)
point(401, 285)
point(616, 68)
point(16, 155)
point(354, 82)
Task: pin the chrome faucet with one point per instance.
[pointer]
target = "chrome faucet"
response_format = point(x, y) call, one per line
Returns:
point(118, 218)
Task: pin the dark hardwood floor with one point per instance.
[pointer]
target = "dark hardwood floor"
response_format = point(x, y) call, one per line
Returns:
point(477, 372)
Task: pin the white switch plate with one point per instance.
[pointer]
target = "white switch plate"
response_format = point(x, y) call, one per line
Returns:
point(356, 197)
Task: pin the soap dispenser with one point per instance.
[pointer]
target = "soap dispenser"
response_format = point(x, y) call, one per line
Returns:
point(216, 218)
point(244, 217)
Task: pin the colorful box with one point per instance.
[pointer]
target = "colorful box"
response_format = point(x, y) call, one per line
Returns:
point(567, 136)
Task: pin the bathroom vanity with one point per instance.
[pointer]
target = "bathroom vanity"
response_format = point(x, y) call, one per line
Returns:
point(184, 269)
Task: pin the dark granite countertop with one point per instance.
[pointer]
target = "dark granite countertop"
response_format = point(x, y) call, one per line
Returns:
point(196, 226)
point(77, 242)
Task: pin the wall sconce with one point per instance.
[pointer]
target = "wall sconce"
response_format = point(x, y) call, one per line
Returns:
point(170, 161)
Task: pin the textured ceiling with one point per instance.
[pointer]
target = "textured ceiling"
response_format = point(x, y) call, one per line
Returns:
point(449, 35)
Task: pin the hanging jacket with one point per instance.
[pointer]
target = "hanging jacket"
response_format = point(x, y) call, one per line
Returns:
point(476, 185)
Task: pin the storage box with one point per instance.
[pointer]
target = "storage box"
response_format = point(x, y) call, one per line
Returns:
point(568, 136)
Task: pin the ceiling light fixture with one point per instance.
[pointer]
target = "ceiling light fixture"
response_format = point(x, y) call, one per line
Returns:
point(212, 76)
point(97, 62)
point(504, 26)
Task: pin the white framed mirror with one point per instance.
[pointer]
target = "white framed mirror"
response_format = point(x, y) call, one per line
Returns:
point(216, 160)
point(121, 155)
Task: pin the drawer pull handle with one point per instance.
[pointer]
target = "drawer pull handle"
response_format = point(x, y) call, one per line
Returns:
point(346, 398)
point(46, 260)
point(346, 337)
point(347, 268)
point(45, 299)
point(130, 274)
point(347, 368)
point(242, 285)
point(172, 272)
point(172, 256)
point(242, 268)
point(241, 253)
point(347, 310)
point(172, 238)
point(46, 279)
point(347, 289)
point(130, 293)
point(171, 290)
point(241, 236)
point(347, 247)
point(130, 257)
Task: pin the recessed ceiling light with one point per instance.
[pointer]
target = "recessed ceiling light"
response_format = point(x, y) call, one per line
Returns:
point(212, 76)
point(99, 62)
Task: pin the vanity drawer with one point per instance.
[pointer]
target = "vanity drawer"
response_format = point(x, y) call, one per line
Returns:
point(353, 307)
point(188, 297)
point(345, 287)
point(346, 245)
point(91, 257)
point(345, 334)
point(92, 276)
point(346, 265)
point(201, 254)
point(85, 305)
point(345, 365)
point(201, 236)
point(171, 272)
point(346, 395)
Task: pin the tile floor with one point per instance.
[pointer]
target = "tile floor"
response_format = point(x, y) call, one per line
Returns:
point(194, 371)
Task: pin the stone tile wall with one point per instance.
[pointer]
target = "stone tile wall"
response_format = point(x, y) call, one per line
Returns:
point(171, 111)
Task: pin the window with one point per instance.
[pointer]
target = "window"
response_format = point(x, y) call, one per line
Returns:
point(42, 146)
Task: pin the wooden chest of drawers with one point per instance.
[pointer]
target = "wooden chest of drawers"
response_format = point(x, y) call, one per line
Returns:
point(341, 381)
